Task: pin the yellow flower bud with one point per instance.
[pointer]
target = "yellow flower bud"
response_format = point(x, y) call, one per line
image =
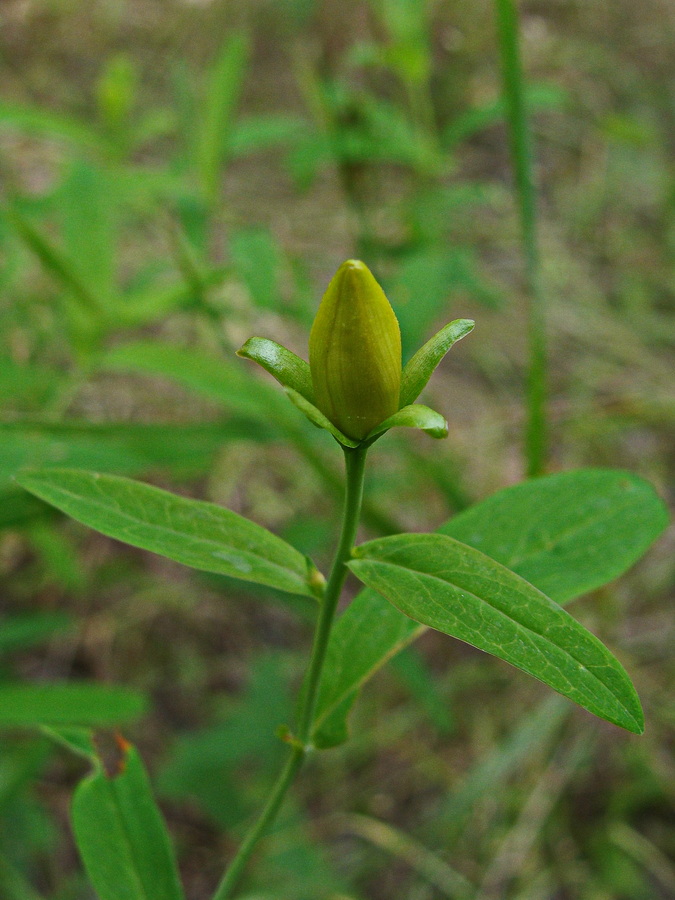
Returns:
point(355, 352)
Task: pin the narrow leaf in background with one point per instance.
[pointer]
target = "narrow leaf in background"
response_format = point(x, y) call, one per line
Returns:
point(92, 705)
point(120, 832)
point(520, 140)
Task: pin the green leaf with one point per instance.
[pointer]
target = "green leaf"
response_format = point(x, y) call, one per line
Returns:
point(257, 259)
point(224, 86)
point(440, 582)
point(57, 264)
point(575, 531)
point(414, 416)
point(316, 417)
point(125, 448)
point(87, 206)
point(120, 447)
point(17, 508)
point(121, 835)
point(209, 375)
point(92, 705)
point(19, 632)
point(420, 368)
point(255, 133)
point(13, 885)
point(52, 126)
point(75, 738)
point(289, 370)
point(193, 532)
point(363, 639)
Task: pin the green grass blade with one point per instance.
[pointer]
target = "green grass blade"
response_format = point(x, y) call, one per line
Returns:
point(520, 141)
point(223, 89)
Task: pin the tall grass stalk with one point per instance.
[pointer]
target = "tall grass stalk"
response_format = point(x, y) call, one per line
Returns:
point(520, 141)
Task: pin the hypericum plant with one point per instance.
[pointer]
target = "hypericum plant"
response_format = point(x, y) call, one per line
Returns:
point(493, 577)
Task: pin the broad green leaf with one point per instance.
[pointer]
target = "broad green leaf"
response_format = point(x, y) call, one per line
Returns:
point(420, 368)
point(316, 417)
point(598, 522)
point(288, 369)
point(414, 416)
point(193, 532)
point(449, 586)
point(120, 832)
point(93, 705)
point(568, 533)
point(234, 387)
point(363, 639)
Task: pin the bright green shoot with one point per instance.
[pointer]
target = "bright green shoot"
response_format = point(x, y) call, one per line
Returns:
point(493, 578)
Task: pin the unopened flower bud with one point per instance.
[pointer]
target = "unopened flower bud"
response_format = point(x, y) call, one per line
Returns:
point(355, 352)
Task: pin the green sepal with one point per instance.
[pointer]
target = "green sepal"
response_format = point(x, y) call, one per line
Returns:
point(289, 370)
point(414, 416)
point(420, 368)
point(316, 417)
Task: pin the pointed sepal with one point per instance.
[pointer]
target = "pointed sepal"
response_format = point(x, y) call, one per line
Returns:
point(413, 416)
point(289, 370)
point(420, 368)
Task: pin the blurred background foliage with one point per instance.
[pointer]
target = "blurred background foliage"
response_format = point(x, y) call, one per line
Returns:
point(177, 175)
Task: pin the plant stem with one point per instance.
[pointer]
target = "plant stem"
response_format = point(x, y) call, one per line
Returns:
point(301, 745)
point(521, 155)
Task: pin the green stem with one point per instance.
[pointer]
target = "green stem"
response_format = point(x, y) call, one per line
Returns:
point(521, 155)
point(355, 461)
point(301, 743)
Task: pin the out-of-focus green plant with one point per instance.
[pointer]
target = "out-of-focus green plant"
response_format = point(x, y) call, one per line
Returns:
point(493, 577)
